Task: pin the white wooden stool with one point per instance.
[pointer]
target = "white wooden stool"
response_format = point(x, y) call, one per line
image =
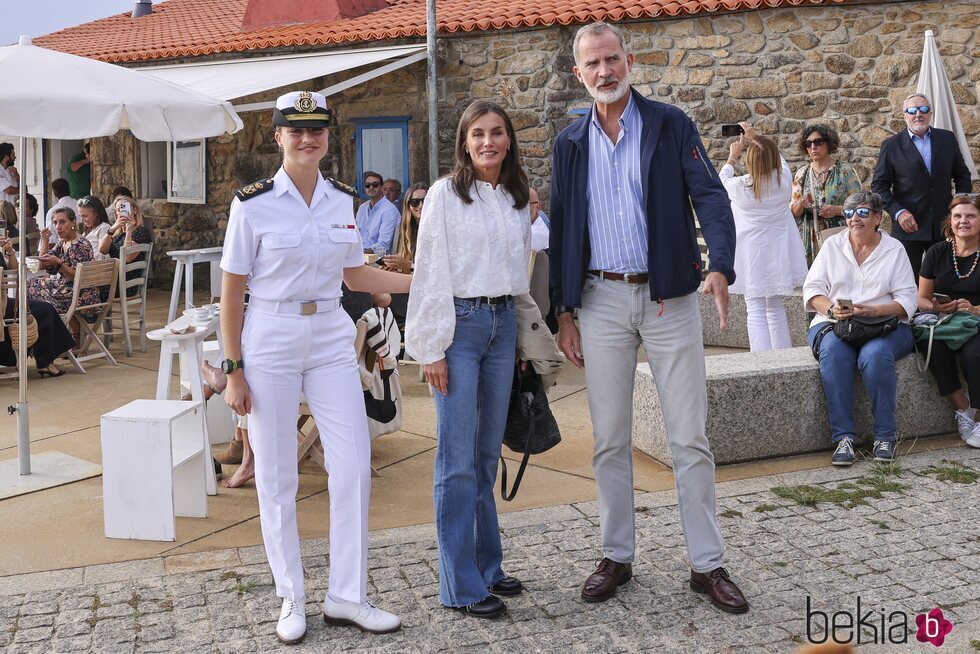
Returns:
point(154, 465)
point(188, 348)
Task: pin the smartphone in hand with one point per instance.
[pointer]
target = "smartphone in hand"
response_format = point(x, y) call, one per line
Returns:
point(941, 298)
point(732, 130)
point(845, 304)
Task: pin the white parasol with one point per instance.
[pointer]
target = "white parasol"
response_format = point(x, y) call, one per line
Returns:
point(934, 83)
point(50, 94)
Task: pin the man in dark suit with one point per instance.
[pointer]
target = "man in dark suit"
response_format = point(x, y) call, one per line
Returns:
point(625, 257)
point(913, 177)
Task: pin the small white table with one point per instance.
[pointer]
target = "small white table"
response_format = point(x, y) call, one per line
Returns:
point(185, 260)
point(188, 348)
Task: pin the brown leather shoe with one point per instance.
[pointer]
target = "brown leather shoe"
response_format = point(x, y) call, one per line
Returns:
point(718, 585)
point(608, 576)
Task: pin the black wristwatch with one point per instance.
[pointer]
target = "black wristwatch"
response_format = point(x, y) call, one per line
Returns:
point(564, 308)
point(229, 366)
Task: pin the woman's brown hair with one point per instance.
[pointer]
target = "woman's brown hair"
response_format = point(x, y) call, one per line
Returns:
point(761, 158)
point(512, 174)
point(410, 226)
point(963, 198)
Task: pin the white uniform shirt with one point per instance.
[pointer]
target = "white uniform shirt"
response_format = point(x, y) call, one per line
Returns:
point(540, 234)
point(885, 276)
point(464, 250)
point(292, 252)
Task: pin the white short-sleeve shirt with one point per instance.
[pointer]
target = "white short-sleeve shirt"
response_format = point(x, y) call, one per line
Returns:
point(290, 251)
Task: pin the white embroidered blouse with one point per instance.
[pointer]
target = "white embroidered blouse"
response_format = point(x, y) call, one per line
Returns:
point(463, 250)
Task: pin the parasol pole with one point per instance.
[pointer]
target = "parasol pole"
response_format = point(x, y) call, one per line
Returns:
point(23, 423)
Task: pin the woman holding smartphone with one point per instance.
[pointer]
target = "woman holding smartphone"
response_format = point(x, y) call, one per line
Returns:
point(472, 256)
point(127, 230)
point(292, 238)
point(949, 281)
point(870, 270)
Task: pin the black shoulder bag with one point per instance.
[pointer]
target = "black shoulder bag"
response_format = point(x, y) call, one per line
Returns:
point(859, 330)
point(531, 427)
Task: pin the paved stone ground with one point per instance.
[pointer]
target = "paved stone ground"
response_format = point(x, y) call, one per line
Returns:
point(909, 550)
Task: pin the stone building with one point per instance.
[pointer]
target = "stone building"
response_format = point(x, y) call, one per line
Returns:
point(778, 64)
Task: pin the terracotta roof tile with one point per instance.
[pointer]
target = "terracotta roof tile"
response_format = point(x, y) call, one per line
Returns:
point(189, 28)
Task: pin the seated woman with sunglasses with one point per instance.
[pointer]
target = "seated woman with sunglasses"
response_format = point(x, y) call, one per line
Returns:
point(821, 186)
point(404, 258)
point(950, 268)
point(860, 272)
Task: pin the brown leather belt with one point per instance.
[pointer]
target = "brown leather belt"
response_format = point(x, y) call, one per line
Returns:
point(629, 278)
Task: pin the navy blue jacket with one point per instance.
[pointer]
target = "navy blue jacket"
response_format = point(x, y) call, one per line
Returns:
point(676, 174)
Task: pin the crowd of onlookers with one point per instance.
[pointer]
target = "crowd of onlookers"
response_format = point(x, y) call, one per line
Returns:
point(74, 230)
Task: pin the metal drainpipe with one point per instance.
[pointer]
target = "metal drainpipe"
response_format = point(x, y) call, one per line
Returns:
point(430, 46)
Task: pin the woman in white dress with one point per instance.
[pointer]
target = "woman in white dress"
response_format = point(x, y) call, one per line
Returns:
point(769, 257)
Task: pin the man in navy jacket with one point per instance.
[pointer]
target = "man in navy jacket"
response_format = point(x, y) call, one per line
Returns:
point(626, 181)
point(913, 175)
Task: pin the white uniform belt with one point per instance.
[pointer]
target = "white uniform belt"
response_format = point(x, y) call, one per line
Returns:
point(294, 308)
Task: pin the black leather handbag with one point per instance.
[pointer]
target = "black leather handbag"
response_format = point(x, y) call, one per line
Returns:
point(531, 427)
point(859, 330)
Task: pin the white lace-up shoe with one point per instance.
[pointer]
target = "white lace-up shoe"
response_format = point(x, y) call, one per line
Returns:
point(965, 423)
point(974, 439)
point(365, 616)
point(292, 621)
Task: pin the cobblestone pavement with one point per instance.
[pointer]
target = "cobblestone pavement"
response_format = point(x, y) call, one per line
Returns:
point(910, 550)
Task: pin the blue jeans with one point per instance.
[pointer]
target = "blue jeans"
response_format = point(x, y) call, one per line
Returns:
point(470, 422)
point(876, 361)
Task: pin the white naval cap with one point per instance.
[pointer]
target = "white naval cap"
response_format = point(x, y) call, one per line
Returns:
point(302, 109)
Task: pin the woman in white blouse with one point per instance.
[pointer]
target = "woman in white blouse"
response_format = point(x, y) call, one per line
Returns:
point(769, 258)
point(860, 272)
point(94, 222)
point(471, 259)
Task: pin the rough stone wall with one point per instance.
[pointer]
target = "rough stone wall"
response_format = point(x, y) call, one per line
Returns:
point(847, 65)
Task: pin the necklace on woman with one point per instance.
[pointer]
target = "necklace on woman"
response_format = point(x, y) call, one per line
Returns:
point(956, 266)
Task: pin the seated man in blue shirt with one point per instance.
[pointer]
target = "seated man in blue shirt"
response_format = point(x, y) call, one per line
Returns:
point(377, 219)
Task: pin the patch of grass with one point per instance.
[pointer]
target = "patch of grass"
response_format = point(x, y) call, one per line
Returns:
point(953, 471)
point(780, 564)
point(137, 614)
point(975, 644)
point(243, 587)
point(134, 601)
point(642, 509)
point(730, 513)
point(886, 468)
point(847, 494)
point(766, 508)
point(880, 525)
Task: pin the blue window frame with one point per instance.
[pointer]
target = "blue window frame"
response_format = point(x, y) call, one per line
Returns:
point(382, 146)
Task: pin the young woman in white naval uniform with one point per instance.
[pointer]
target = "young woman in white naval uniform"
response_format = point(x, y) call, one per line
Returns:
point(292, 239)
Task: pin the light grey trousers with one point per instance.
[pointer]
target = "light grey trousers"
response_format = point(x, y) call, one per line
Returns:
point(615, 319)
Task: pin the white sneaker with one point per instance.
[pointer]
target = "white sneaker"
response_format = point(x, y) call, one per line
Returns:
point(964, 422)
point(365, 616)
point(974, 439)
point(292, 621)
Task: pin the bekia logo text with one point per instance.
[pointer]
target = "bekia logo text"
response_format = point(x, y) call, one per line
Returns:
point(873, 626)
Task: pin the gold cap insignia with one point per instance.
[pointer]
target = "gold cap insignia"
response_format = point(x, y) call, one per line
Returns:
point(305, 103)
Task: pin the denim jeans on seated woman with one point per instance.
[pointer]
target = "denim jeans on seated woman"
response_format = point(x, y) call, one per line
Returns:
point(876, 362)
point(470, 421)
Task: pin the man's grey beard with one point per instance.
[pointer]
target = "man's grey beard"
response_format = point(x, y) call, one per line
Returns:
point(610, 97)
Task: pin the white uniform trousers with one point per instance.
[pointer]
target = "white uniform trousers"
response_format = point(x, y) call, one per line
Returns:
point(615, 319)
point(285, 355)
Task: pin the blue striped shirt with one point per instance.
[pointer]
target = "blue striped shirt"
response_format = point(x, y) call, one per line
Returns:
point(617, 224)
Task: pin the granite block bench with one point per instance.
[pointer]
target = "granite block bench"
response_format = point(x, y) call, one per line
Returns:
point(771, 404)
point(738, 332)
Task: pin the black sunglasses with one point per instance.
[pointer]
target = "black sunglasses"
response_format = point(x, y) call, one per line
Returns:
point(815, 143)
point(862, 213)
point(921, 109)
point(416, 202)
point(372, 184)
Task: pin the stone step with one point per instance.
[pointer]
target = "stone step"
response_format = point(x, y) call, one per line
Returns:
point(771, 404)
